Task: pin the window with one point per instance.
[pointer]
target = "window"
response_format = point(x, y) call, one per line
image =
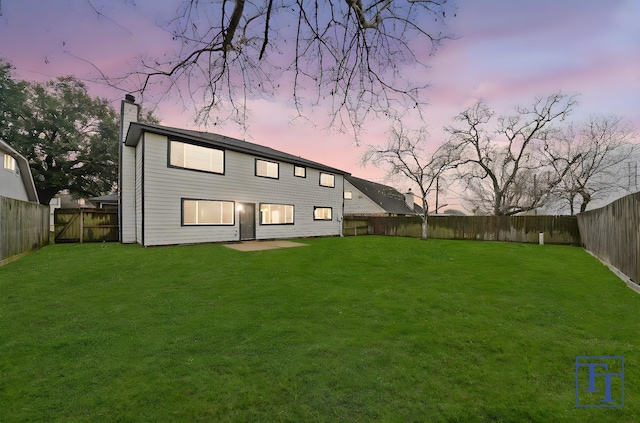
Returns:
point(276, 214)
point(190, 156)
point(327, 180)
point(266, 169)
point(299, 171)
point(348, 195)
point(9, 162)
point(322, 213)
point(206, 212)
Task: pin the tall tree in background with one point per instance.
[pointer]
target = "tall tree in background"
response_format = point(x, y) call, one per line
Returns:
point(406, 154)
point(69, 138)
point(502, 173)
point(352, 56)
point(597, 151)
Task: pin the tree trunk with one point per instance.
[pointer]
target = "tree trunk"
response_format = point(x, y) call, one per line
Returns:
point(424, 228)
point(586, 198)
point(46, 194)
point(425, 215)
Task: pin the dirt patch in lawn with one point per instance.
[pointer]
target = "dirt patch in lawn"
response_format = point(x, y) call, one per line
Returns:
point(263, 245)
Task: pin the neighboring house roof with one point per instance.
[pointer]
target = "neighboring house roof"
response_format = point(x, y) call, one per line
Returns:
point(66, 201)
point(136, 129)
point(25, 171)
point(105, 199)
point(390, 199)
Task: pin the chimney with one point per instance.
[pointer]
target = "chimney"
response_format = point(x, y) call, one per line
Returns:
point(129, 112)
point(409, 199)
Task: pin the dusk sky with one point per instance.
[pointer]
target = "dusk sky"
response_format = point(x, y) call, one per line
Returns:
point(506, 52)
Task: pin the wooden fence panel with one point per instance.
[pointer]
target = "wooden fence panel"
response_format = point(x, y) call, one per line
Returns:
point(612, 233)
point(556, 229)
point(354, 226)
point(85, 225)
point(24, 227)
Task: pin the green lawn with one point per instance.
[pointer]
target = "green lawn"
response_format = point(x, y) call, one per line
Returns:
point(353, 329)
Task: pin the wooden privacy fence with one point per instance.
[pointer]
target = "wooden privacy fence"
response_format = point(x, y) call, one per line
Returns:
point(612, 233)
point(556, 229)
point(85, 225)
point(24, 227)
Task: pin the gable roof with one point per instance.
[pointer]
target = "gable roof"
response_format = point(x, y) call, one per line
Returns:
point(389, 198)
point(136, 129)
point(25, 171)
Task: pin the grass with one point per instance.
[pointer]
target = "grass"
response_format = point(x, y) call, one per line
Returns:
point(354, 329)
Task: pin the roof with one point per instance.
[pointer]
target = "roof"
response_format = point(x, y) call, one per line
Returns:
point(109, 198)
point(136, 129)
point(25, 171)
point(389, 198)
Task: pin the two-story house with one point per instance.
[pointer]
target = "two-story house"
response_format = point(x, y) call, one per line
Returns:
point(180, 186)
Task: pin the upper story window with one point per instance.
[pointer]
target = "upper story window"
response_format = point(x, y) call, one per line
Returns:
point(300, 171)
point(327, 180)
point(267, 169)
point(196, 157)
point(9, 163)
point(348, 195)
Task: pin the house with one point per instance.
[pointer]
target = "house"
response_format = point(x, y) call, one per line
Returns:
point(16, 180)
point(179, 186)
point(362, 197)
point(106, 202)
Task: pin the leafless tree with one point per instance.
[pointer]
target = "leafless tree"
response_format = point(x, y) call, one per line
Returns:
point(406, 155)
point(502, 173)
point(602, 145)
point(355, 57)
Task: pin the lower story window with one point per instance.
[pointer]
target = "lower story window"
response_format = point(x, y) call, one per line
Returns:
point(207, 212)
point(322, 213)
point(276, 214)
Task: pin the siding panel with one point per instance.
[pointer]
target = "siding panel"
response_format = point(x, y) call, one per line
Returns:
point(139, 192)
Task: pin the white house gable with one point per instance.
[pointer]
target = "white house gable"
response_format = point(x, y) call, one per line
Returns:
point(359, 203)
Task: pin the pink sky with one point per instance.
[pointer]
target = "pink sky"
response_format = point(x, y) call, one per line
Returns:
point(507, 52)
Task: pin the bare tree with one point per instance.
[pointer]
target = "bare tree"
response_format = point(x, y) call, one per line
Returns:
point(350, 55)
point(502, 172)
point(598, 149)
point(405, 154)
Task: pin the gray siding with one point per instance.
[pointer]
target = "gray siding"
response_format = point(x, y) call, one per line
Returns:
point(127, 195)
point(138, 189)
point(360, 203)
point(11, 182)
point(164, 187)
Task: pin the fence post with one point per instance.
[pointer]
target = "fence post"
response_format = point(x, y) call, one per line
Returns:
point(81, 226)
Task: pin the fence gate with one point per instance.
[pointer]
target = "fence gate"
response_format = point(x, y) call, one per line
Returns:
point(85, 225)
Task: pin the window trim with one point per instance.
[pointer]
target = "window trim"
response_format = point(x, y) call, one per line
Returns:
point(322, 220)
point(293, 214)
point(299, 167)
point(327, 186)
point(182, 224)
point(266, 161)
point(197, 144)
point(350, 197)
